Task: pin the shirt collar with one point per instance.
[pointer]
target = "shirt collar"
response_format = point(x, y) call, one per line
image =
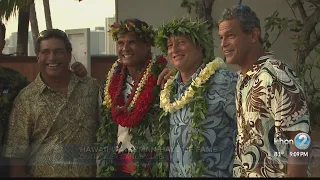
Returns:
point(41, 86)
point(178, 79)
point(257, 65)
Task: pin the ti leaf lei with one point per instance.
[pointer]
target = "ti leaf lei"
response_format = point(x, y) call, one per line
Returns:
point(149, 155)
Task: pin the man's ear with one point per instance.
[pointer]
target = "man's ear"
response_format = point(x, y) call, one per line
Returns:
point(255, 35)
point(200, 47)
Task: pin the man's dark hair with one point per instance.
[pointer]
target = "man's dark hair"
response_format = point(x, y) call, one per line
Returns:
point(2, 31)
point(53, 33)
point(248, 18)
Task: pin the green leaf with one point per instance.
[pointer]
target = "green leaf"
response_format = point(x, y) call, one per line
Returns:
point(160, 142)
point(202, 115)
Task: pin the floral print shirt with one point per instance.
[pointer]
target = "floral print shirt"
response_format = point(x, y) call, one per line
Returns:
point(53, 132)
point(219, 127)
point(269, 102)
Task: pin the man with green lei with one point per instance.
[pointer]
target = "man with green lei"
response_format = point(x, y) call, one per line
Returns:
point(131, 138)
point(198, 101)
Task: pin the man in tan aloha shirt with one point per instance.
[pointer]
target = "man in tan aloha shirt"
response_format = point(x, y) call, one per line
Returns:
point(54, 119)
point(271, 104)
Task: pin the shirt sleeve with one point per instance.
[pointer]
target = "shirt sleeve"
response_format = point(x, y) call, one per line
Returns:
point(224, 84)
point(286, 102)
point(230, 105)
point(17, 139)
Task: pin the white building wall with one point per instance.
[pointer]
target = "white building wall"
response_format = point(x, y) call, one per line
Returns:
point(157, 12)
point(111, 48)
point(97, 42)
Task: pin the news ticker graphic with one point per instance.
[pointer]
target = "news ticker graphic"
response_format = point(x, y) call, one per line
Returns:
point(301, 141)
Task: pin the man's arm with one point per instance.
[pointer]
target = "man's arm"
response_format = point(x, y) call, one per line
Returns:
point(288, 107)
point(229, 96)
point(164, 76)
point(17, 138)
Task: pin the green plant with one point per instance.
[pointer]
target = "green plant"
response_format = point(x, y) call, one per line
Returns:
point(306, 41)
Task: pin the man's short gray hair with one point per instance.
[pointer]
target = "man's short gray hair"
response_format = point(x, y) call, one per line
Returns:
point(247, 18)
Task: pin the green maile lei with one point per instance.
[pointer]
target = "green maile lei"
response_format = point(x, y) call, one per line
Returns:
point(107, 143)
point(199, 109)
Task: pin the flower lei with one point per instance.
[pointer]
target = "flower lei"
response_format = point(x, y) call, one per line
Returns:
point(193, 96)
point(127, 114)
point(137, 113)
point(145, 32)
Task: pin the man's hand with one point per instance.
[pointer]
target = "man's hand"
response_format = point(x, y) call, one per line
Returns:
point(78, 69)
point(164, 76)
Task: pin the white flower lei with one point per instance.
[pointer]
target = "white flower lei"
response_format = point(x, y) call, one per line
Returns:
point(203, 77)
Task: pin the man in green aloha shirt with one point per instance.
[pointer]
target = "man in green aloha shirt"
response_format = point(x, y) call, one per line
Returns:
point(11, 82)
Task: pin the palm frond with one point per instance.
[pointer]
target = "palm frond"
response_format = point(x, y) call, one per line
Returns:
point(10, 8)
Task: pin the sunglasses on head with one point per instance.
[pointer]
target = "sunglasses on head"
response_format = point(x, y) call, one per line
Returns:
point(244, 7)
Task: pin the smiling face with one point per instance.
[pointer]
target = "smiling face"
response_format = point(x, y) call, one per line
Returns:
point(183, 53)
point(235, 44)
point(53, 58)
point(132, 50)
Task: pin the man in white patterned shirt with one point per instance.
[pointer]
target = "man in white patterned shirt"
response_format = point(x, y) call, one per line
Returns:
point(271, 104)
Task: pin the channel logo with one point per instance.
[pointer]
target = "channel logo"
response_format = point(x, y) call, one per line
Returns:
point(302, 141)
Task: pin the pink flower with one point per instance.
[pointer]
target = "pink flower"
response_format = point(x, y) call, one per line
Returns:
point(116, 25)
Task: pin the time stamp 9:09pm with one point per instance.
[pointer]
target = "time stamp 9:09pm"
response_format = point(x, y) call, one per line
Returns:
point(302, 141)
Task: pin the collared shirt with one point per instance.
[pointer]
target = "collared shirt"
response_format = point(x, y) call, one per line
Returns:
point(53, 132)
point(219, 127)
point(269, 102)
point(124, 138)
